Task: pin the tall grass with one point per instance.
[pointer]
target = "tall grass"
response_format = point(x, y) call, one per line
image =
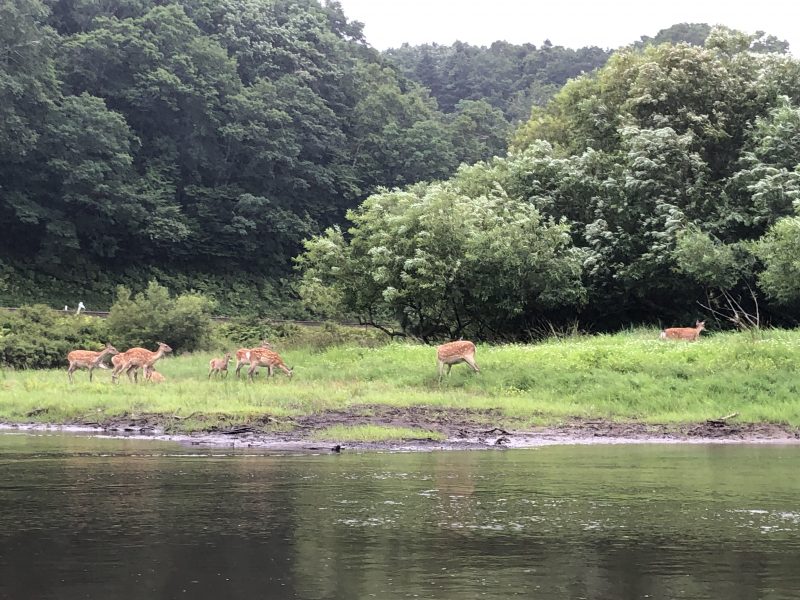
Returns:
point(626, 376)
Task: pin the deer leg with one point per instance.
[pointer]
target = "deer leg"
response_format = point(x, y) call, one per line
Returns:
point(70, 371)
point(209, 373)
point(90, 373)
point(252, 369)
point(238, 367)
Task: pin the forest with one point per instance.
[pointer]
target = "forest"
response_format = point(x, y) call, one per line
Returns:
point(263, 154)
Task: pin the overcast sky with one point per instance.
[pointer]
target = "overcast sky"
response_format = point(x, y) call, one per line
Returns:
point(571, 23)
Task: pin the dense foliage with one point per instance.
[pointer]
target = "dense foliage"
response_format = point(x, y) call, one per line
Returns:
point(510, 77)
point(674, 169)
point(39, 337)
point(199, 138)
point(153, 316)
point(515, 77)
point(199, 142)
point(443, 259)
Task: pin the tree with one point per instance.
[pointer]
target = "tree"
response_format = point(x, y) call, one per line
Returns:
point(443, 264)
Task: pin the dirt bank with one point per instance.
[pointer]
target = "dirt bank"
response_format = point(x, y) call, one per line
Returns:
point(463, 429)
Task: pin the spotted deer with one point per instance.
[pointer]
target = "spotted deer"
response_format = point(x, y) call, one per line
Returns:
point(243, 355)
point(153, 376)
point(218, 365)
point(453, 353)
point(689, 334)
point(263, 357)
point(138, 358)
point(86, 359)
point(117, 362)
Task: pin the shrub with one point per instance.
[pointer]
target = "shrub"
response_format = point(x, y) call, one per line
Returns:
point(249, 332)
point(153, 316)
point(38, 337)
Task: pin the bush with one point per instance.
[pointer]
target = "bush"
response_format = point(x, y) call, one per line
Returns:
point(249, 332)
point(38, 337)
point(153, 316)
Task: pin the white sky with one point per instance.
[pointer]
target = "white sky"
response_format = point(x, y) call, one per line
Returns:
point(570, 23)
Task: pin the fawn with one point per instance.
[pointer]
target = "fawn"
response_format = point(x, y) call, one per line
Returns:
point(684, 333)
point(453, 353)
point(153, 376)
point(218, 365)
point(86, 359)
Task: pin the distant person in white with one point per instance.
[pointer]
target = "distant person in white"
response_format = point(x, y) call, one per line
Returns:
point(80, 308)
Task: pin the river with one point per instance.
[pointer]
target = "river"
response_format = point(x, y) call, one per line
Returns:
point(86, 517)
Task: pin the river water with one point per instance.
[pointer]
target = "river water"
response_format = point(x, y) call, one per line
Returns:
point(83, 517)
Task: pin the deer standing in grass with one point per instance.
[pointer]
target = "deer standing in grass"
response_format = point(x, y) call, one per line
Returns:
point(86, 359)
point(453, 353)
point(263, 357)
point(689, 334)
point(138, 358)
point(243, 355)
point(218, 365)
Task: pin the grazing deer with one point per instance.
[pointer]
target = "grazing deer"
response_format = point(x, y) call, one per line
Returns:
point(453, 353)
point(218, 365)
point(689, 334)
point(153, 376)
point(263, 357)
point(86, 359)
point(138, 358)
point(243, 355)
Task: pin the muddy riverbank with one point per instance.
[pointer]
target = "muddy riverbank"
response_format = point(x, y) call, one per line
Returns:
point(461, 429)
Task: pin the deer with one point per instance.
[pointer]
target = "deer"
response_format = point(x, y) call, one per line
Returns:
point(118, 360)
point(138, 358)
point(453, 353)
point(263, 357)
point(218, 365)
point(153, 376)
point(689, 334)
point(86, 359)
point(243, 355)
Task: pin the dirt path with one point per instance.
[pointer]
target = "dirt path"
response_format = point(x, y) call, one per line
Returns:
point(463, 429)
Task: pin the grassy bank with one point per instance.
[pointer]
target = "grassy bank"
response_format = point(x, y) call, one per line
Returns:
point(630, 376)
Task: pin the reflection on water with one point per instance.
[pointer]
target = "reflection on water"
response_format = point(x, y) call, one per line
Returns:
point(90, 518)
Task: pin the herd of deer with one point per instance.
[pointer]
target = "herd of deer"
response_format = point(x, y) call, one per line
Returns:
point(134, 359)
point(131, 361)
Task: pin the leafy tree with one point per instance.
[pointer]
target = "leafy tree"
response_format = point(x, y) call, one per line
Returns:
point(779, 250)
point(443, 264)
point(509, 77)
point(691, 33)
point(200, 136)
point(710, 262)
point(478, 131)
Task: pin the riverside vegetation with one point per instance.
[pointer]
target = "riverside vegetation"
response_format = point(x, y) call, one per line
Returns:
point(367, 393)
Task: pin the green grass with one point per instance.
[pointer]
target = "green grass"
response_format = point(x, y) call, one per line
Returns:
point(374, 433)
point(630, 376)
